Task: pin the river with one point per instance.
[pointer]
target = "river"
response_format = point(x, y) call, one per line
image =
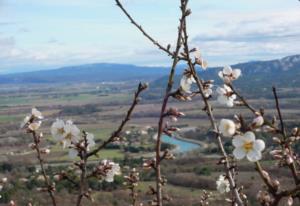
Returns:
point(181, 145)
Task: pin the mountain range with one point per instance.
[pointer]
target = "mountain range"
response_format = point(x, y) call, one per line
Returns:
point(285, 72)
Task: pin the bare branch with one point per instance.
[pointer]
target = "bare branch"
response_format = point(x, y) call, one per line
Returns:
point(210, 115)
point(50, 187)
point(117, 133)
point(140, 28)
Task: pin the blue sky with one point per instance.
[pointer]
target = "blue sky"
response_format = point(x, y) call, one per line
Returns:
point(43, 34)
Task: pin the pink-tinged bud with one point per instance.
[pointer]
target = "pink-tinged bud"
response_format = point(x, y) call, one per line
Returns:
point(45, 151)
point(276, 152)
point(276, 140)
point(292, 139)
point(12, 203)
point(267, 128)
point(277, 157)
point(4, 180)
point(290, 201)
point(276, 184)
point(258, 121)
point(289, 159)
point(57, 177)
point(23, 180)
point(295, 131)
point(265, 174)
point(181, 114)
point(174, 119)
point(32, 146)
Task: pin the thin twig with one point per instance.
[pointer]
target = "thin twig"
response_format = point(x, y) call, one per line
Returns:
point(117, 133)
point(82, 165)
point(245, 102)
point(50, 187)
point(279, 113)
point(164, 105)
point(292, 166)
point(140, 28)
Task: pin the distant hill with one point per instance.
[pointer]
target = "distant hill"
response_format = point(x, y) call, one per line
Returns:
point(284, 72)
point(102, 72)
point(257, 76)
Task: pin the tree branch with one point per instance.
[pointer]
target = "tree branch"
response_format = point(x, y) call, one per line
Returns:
point(117, 133)
point(211, 118)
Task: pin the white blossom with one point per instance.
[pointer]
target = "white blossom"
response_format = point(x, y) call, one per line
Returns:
point(199, 59)
point(227, 127)
point(246, 145)
point(34, 126)
point(71, 134)
point(186, 83)
point(226, 96)
point(73, 153)
point(223, 184)
point(114, 170)
point(90, 141)
point(36, 113)
point(228, 74)
point(57, 130)
point(207, 90)
point(25, 121)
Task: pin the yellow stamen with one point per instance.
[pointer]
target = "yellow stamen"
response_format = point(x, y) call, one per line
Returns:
point(248, 146)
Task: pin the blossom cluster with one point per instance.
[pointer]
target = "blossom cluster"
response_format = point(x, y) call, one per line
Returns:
point(68, 134)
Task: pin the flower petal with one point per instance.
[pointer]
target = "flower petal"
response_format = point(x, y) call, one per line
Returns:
point(236, 73)
point(238, 141)
point(259, 145)
point(220, 73)
point(254, 156)
point(230, 103)
point(239, 153)
point(227, 70)
point(249, 137)
point(221, 91)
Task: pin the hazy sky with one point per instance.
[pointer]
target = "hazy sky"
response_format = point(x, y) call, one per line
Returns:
point(40, 34)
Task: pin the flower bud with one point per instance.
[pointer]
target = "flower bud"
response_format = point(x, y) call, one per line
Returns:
point(276, 140)
point(290, 201)
point(289, 159)
point(265, 174)
point(45, 151)
point(276, 184)
point(32, 146)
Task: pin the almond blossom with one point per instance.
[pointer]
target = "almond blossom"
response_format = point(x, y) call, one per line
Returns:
point(227, 127)
point(114, 169)
point(71, 134)
point(223, 184)
point(73, 153)
point(90, 141)
point(36, 113)
point(199, 59)
point(207, 88)
point(57, 130)
point(228, 74)
point(34, 126)
point(226, 96)
point(186, 83)
point(246, 145)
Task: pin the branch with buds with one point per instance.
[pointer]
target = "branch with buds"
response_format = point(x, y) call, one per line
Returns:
point(32, 123)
